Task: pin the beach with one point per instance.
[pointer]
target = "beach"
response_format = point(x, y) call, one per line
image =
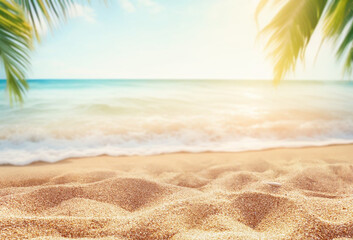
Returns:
point(176, 120)
point(299, 193)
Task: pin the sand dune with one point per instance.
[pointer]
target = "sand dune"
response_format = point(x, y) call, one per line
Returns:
point(274, 194)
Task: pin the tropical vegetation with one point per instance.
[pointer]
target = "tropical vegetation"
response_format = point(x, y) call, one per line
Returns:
point(290, 30)
point(20, 23)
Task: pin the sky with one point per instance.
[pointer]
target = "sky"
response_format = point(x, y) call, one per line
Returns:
point(181, 39)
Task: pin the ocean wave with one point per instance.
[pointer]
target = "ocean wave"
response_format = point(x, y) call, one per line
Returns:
point(54, 150)
point(53, 141)
point(88, 118)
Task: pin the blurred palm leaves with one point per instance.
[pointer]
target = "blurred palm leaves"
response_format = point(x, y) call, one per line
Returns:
point(15, 45)
point(20, 21)
point(290, 30)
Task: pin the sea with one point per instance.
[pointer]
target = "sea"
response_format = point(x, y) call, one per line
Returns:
point(62, 119)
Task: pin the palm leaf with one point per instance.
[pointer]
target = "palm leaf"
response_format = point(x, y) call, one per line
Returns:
point(15, 45)
point(20, 21)
point(45, 12)
point(290, 32)
point(339, 26)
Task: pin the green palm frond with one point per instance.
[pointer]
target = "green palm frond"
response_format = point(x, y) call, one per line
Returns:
point(20, 21)
point(337, 17)
point(292, 27)
point(15, 46)
point(339, 26)
point(45, 12)
point(290, 32)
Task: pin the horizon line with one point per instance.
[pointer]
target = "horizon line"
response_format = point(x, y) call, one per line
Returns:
point(189, 79)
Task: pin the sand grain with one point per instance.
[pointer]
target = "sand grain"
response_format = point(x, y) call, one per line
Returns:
point(275, 194)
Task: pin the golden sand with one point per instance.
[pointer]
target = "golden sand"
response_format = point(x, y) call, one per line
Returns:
point(275, 194)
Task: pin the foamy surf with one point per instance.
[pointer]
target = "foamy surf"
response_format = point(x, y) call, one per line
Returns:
point(76, 118)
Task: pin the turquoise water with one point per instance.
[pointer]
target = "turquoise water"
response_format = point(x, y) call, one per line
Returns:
point(76, 118)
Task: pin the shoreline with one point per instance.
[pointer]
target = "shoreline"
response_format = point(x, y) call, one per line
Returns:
point(301, 193)
point(186, 152)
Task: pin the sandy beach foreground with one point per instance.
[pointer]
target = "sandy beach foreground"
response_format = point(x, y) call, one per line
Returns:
point(274, 194)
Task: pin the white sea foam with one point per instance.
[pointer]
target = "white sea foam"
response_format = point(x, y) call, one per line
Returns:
point(63, 119)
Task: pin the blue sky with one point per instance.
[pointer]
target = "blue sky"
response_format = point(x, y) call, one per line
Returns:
point(213, 39)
